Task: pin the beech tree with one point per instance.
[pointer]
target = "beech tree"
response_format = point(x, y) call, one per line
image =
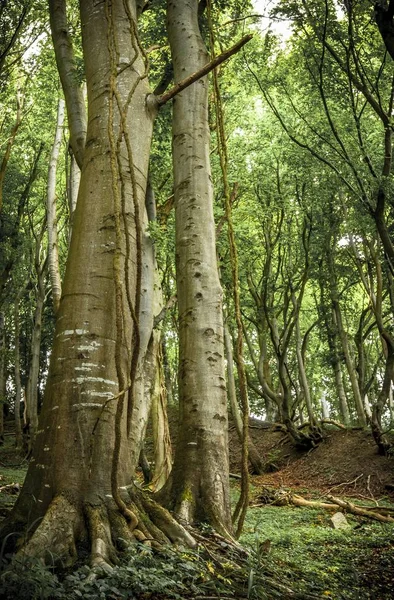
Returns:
point(80, 478)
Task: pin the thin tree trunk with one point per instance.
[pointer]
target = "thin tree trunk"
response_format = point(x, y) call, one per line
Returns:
point(200, 481)
point(73, 181)
point(69, 77)
point(162, 449)
point(351, 369)
point(3, 375)
point(18, 385)
point(31, 398)
point(254, 456)
point(343, 403)
point(53, 250)
point(9, 144)
point(302, 373)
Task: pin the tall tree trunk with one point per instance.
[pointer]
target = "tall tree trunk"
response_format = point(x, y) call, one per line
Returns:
point(69, 77)
point(31, 398)
point(53, 250)
point(254, 456)
point(3, 375)
point(302, 373)
point(350, 366)
point(162, 450)
point(73, 181)
point(343, 403)
point(200, 484)
point(18, 385)
point(75, 473)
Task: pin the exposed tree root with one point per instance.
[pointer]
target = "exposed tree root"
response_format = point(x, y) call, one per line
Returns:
point(66, 524)
point(283, 498)
point(55, 536)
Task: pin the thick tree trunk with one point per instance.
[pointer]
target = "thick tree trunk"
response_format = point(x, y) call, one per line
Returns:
point(74, 475)
point(200, 484)
point(53, 250)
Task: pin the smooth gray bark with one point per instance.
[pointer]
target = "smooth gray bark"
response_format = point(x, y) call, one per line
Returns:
point(200, 484)
point(53, 249)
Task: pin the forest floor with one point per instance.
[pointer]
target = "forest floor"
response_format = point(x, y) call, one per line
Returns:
point(295, 545)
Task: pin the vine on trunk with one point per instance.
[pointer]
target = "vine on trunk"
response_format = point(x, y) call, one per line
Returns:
point(243, 502)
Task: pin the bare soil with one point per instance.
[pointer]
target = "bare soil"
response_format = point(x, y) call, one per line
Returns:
point(345, 463)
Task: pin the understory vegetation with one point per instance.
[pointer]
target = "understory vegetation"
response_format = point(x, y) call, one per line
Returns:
point(289, 552)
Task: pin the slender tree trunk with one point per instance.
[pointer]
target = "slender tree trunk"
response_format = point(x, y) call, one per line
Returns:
point(3, 375)
point(69, 77)
point(302, 374)
point(18, 385)
point(351, 369)
point(162, 449)
point(73, 181)
point(343, 403)
point(381, 439)
point(199, 482)
point(254, 456)
point(53, 250)
point(167, 372)
point(31, 398)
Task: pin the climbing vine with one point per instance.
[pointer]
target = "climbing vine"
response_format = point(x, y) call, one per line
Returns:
point(242, 505)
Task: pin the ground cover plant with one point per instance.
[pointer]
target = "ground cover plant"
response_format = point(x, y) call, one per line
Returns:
point(292, 553)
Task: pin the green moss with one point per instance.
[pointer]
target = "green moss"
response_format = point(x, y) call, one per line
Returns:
point(187, 495)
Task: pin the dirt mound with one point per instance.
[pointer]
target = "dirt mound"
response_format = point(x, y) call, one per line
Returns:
point(345, 461)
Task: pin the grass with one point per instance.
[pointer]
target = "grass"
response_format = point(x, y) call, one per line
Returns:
point(310, 557)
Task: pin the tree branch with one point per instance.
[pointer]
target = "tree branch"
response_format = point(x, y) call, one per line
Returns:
point(179, 87)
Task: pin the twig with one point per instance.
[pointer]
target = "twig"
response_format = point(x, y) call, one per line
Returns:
point(345, 483)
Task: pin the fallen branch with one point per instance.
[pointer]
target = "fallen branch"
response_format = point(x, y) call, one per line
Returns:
point(332, 422)
point(282, 498)
point(362, 512)
point(11, 488)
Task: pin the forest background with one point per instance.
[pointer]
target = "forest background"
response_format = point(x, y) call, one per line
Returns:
point(301, 155)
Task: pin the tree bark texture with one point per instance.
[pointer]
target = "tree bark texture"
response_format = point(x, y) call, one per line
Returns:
point(3, 375)
point(18, 384)
point(253, 454)
point(67, 67)
point(53, 250)
point(200, 488)
point(74, 487)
